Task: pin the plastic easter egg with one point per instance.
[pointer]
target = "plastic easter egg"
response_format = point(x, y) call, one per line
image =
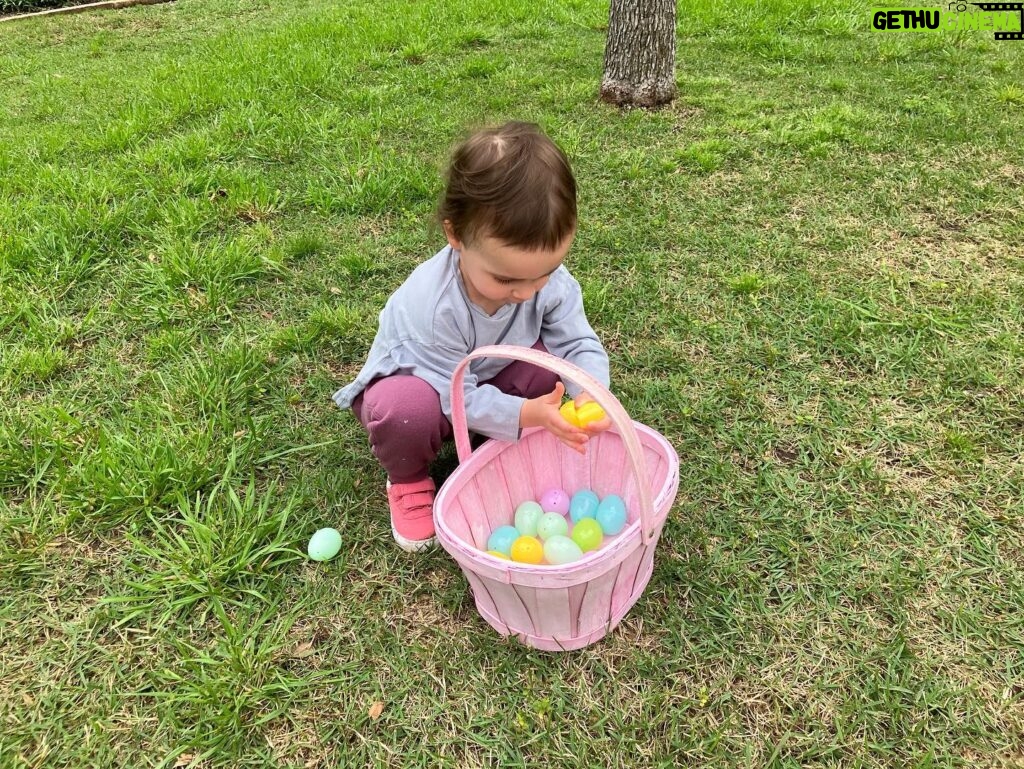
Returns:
point(324, 545)
point(583, 505)
point(568, 412)
point(589, 412)
point(611, 514)
point(555, 501)
point(498, 554)
point(582, 416)
point(587, 534)
point(501, 539)
point(559, 550)
point(528, 515)
point(527, 550)
point(552, 524)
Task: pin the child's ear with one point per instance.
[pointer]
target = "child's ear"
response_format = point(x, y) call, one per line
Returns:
point(453, 239)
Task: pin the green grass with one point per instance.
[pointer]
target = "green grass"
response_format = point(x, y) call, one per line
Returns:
point(808, 272)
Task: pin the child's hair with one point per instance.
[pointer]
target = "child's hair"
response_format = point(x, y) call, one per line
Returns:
point(511, 183)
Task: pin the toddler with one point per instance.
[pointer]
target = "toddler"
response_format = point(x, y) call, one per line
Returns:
point(509, 214)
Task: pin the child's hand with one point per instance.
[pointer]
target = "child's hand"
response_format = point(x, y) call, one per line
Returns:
point(543, 412)
point(601, 424)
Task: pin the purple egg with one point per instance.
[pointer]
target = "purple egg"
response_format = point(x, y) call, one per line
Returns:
point(555, 501)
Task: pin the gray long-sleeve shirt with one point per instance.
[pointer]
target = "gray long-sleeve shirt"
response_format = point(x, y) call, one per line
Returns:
point(429, 325)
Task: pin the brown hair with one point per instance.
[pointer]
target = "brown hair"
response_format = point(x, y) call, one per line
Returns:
point(512, 183)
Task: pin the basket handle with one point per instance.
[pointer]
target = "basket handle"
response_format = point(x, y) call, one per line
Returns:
point(595, 389)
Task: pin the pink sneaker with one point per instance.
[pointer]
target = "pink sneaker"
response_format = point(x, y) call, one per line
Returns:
point(412, 514)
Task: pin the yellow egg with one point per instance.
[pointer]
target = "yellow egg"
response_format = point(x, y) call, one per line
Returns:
point(589, 412)
point(582, 416)
point(498, 554)
point(527, 550)
point(568, 412)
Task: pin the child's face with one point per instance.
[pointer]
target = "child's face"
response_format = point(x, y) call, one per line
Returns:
point(497, 274)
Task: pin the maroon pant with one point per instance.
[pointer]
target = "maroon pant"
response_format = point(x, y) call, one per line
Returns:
point(403, 416)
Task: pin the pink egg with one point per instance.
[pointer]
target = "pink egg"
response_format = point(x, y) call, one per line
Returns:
point(555, 501)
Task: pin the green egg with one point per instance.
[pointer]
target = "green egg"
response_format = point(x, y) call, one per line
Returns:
point(587, 534)
point(528, 515)
point(324, 545)
point(560, 550)
point(552, 524)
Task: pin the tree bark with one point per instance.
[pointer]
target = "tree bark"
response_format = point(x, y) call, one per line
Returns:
point(640, 53)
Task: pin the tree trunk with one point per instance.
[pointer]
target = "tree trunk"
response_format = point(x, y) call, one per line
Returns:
point(640, 53)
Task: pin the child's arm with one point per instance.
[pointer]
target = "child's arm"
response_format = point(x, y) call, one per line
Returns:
point(567, 333)
point(489, 411)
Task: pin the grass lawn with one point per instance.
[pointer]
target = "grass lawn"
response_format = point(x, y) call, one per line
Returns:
point(809, 275)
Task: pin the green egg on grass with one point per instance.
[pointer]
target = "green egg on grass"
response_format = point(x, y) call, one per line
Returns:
point(324, 544)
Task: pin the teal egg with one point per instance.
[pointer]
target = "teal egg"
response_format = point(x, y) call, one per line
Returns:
point(559, 550)
point(583, 505)
point(528, 515)
point(501, 539)
point(324, 545)
point(611, 514)
point(552, 524)
point(587, 534)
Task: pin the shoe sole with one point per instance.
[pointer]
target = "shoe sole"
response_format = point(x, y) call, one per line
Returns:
point(413, 545)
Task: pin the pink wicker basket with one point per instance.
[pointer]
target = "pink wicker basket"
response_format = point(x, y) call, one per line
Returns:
point(555, 607)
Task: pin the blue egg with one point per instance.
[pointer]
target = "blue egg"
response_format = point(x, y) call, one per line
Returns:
point(611, 514)
point(501, 539)
point(583, 505)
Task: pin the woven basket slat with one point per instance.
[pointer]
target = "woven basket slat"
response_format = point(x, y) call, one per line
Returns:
point(519, 476)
